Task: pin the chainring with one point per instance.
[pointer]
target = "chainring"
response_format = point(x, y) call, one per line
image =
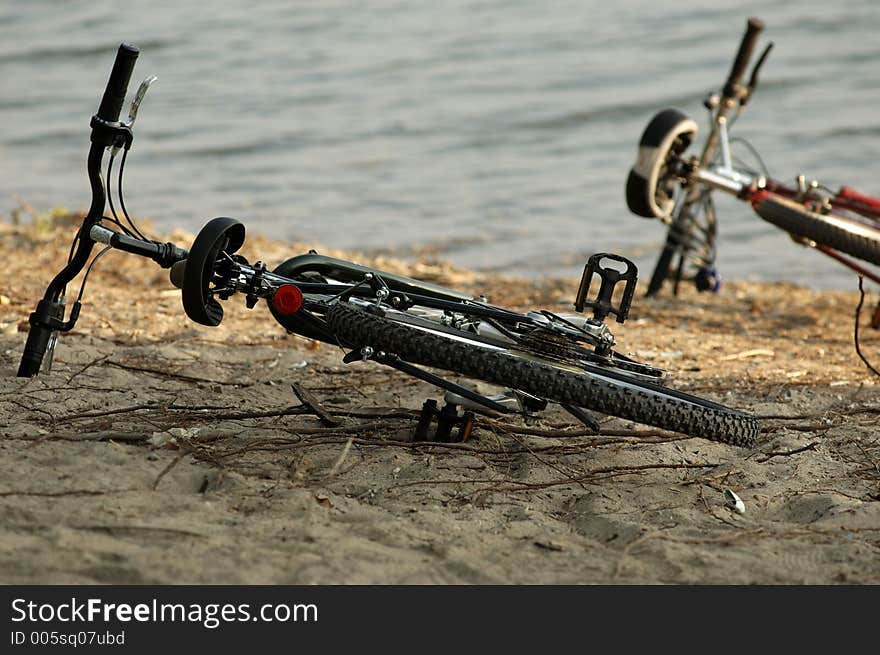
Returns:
point(575, 352)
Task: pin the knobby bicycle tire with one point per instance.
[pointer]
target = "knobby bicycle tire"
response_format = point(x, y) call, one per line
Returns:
point(832, 230)
point(630, 399)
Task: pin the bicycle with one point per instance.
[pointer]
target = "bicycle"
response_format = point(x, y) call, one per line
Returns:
point(667, 185)
point(390, 319)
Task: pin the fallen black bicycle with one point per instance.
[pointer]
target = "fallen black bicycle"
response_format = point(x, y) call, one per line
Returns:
point(411, 325)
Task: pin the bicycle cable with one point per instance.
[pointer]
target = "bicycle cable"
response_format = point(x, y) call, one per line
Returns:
point(764, 170)
point(856, 330)
point(122, 199)
point(82, 286)
point(73, 245)
point(115, 218)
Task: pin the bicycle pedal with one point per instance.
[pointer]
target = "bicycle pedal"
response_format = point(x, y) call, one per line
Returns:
point(444, 421)
point(529, 402)
point(360, 355)
point(603, 304)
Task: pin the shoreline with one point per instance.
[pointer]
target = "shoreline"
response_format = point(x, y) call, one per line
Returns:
point(114, 471)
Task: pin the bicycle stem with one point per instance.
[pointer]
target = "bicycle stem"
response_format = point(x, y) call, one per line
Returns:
point(724, 180)
point(164, 254)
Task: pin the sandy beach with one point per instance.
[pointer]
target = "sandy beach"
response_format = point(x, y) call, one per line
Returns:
point(159, 451)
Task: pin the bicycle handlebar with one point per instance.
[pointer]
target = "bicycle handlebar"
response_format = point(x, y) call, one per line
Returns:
point(48, 317)
point(117, 85)
point(164, 254)
point(753, 29)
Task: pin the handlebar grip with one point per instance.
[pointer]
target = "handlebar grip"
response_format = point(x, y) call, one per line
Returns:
point(117, 85)
point(34, 351)
point(753, 29)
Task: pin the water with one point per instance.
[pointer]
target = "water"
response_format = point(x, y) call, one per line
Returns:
point(496, 134)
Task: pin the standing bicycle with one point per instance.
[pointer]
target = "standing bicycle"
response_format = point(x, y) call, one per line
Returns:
point(678, 189)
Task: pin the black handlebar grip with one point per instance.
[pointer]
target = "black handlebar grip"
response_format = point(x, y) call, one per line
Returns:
point(34, 351)
point(754, 28)
point(117, 85)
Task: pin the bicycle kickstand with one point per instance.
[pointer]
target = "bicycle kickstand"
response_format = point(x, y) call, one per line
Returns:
point(448, 416)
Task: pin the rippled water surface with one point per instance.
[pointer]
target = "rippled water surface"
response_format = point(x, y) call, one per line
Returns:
point(497, 134)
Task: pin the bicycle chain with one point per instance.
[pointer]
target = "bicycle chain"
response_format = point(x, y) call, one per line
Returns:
point(566, 350)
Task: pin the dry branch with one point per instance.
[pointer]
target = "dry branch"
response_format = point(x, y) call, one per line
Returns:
point(309, 400)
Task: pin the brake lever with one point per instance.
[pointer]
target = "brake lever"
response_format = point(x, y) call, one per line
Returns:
point(135, 106)
point(49, 355)
point(138, 98)
point(753, 79)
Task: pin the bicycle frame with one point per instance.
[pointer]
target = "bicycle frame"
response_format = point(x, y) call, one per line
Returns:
point(723, 176)
point(390, 319)
point(419, 304)
point(210, 268)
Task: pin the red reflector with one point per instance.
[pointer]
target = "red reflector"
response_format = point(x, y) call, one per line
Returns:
point(287, 299)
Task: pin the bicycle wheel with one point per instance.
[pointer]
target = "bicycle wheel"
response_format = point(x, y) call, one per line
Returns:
point(652, 181)
point(833, 230)
point(653, 190)
point(605, 391)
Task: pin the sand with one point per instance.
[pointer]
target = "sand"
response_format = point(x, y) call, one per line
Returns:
point(159, 451)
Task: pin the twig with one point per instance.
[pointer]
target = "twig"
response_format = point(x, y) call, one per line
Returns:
point(308, 399)
point(327, 436)
point(219, 414)
point(807, 427)
point(32, 409)
point(519, 485)
point(148, 528)
point(107, 412)
point(71, 492)
point(758, 352)
point(551, 465)
point(786, 453)
point(99, 360)
point(578, 432)
point(270, 413)
point(333, 469)
point(364, 427)
point(169, 374)
point(165, 470)
point(101, 435)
